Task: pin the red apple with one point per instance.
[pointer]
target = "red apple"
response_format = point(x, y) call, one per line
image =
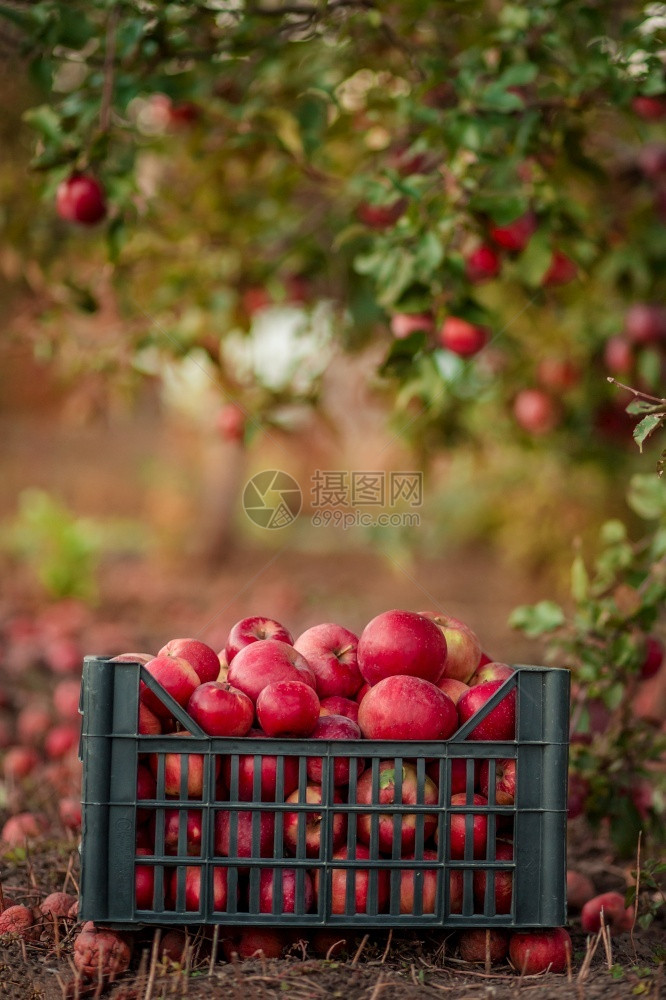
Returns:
point(505, 780)
point(480, 945)
point(360, 883)
point(132, 658)
point(265, 661)
point(221, 710)
point(361, 693)
point(32, 723)
point(330, 651)
point(312, 824)
point(500, 722)
point(578, 792)
point(406, 822)
point(503, 882)
point(401, 642)
point(463, 649)
point(458, 773)
point(101, 954)
point(193, 823)
point(176, 676)
point(60, 740)
point(193, 888)
point(618, 356)
point(288, 708)
point(66, 699)
point(334, 727)
point(515, 236)
point(482, 264)
point(653, 657)
point(268, 770)
point(535, 411)
point(616, 916)
point(652, 109)
point(269, 878)
point(81, 198)
point(257, 941)
point(407, 708)
point(230, 422)
point(532, 952)
point(249, 630)
point(198, 655)
point(149, 723)
point(144, 882)
point(224, 826)
point(336, 705)
point(455, 689)
point(381, 216)
point(491, 670)
point(580, 889)
point(561, 270)
point(404, 324)
point(458, 827)
point(462, 337)
point(174, 767)
point(645, 323)
point(19, 762)
point(410, 878)
point(557, 373)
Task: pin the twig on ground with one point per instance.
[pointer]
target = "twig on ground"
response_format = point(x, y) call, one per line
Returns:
point(359, 950)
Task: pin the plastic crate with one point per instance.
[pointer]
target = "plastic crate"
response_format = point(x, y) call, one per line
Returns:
point(111, 750)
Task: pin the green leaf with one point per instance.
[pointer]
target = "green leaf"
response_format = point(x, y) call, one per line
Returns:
point(613, 532)
point(535, 259)
point(647, 496)
point(645, 428)
point(535, 619)
point(580, 581)
point(518, 75)
point(45, 121)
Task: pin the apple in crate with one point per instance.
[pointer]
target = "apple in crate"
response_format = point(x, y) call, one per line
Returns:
point(455, 689)
point(387, 795)
point(505, 781)
point(192, 887)
point(268, 769)
point(225, 821)
point(221, 710)
point(336, 705)
point(492, 670)
point(331, 652)
point(249, 630)
point(458, 827)
point(192, 829)
point(458, 773)
point(463, 649)
point(264, 662)
point(500, 722)
point(268, 880)
point(312, 824)
point(334, 727)
point(144, 882)
point(401, 642)
point(174, 767)
point(407, 708)
point(503, 882)
point(177, 677)
point(288, 708)
point(360, 883)
point(410, 881)
point(200, 656)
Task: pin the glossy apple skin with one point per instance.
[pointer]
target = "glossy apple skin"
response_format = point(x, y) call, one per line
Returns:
point(505, 781)
point(407, 708)
point(330, 651)
point(458, 827)
point(265, 661)
point(387, 796)
point(500, 722)
point(361, 693)
point(288, 708)
point(193, 831)
point(204, 659)
point(173, 766)
point(339, 706)
point(617, 917)
point(453, 688)
point(532, 952)
point(401, 642)
point(149, 723)
point(80, 198)
point(408, 891)
point(515, 236)
point(221, 710)
point(267, 880)
point(193, 888)
point(249, 630)
point(360, 883)
point(491, 670)
point(176, 676)
point(458, 773)
point(266, 827)
point(312, 824)
point(144, 882)
point(463, 649)
point(268, 767)
point(503, 882)
point(462, 337)
point(472, 945)
point(333, 727)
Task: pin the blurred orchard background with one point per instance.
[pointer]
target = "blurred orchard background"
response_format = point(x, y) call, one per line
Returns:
point(342, 236)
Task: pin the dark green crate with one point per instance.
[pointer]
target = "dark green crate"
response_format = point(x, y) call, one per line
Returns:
point(111, 749)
